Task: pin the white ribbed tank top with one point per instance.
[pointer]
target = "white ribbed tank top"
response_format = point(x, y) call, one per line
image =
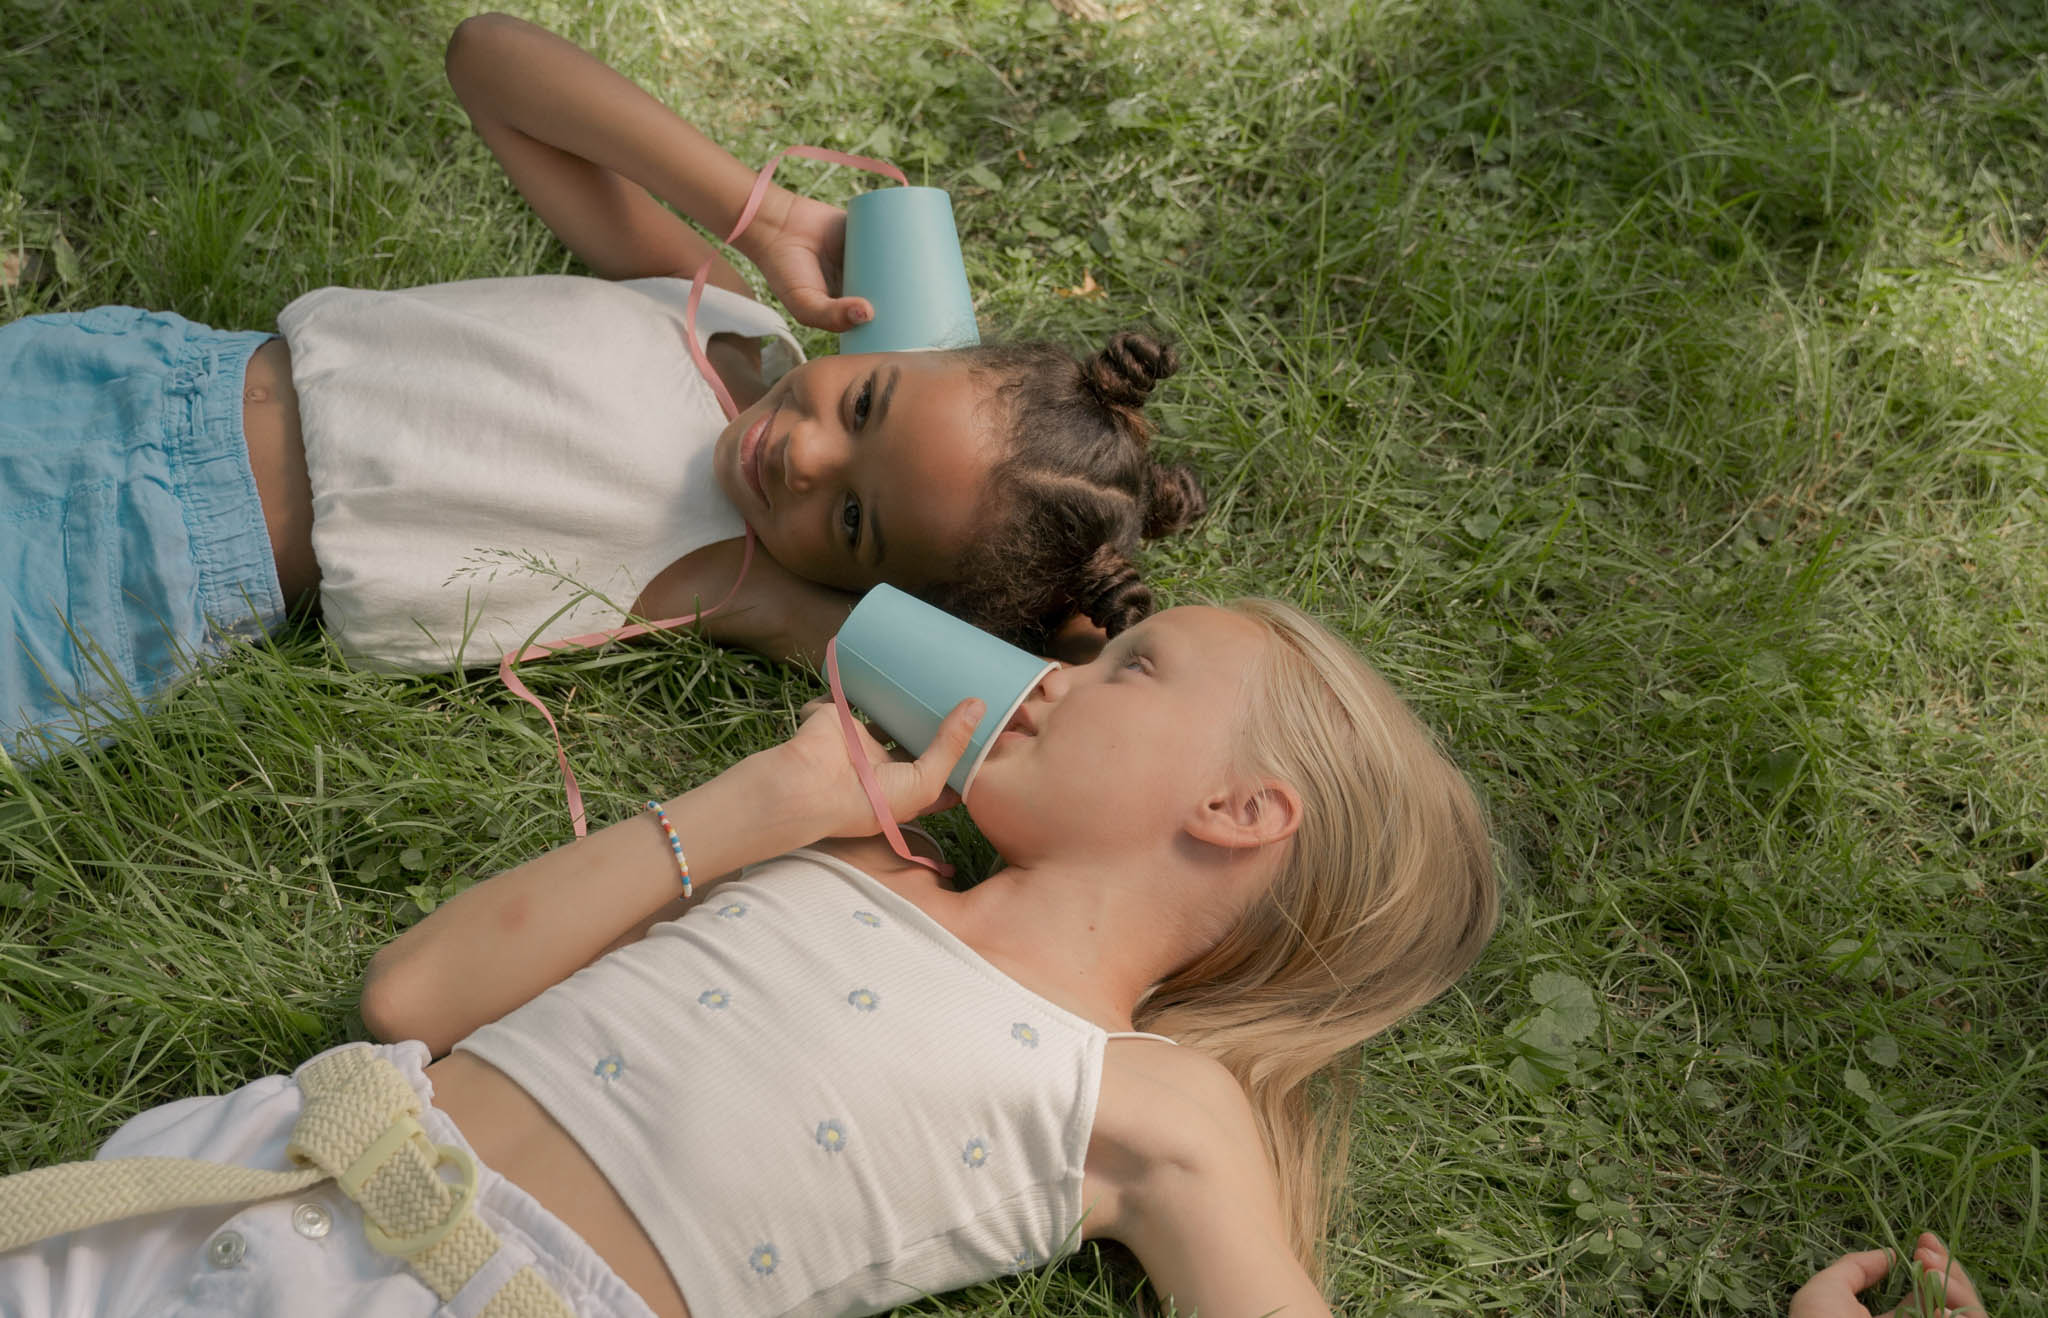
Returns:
point(816, 1100)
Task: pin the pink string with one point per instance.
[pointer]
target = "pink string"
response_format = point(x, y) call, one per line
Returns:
point(508, 665)
point(541, 650)
point(876, 801)
point(753, 204)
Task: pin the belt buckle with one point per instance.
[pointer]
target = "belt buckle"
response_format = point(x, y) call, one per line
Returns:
point(401, 1130)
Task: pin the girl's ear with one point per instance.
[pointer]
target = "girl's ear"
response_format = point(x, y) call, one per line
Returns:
point(1248, 815)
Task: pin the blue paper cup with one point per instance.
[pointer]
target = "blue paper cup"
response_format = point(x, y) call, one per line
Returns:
point(903, 256)
point(907, 664)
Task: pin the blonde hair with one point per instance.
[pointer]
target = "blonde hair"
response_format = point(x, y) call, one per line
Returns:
point(1385, 896)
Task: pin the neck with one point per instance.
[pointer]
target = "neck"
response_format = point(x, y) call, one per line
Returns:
point(1088, 936)
point(737, 359)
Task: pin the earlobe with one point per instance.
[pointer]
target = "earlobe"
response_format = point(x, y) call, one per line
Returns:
point(1248, 815)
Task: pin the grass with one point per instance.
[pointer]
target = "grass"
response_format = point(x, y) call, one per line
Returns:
point(1652, 389)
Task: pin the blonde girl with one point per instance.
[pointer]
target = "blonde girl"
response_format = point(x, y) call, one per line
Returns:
point(451, 472)
point(824, 1083)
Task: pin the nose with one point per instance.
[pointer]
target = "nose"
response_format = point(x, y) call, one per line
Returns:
point(811, 456)
point(1053, 688)
point(1031, 711)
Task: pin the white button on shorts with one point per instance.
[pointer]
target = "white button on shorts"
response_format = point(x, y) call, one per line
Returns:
point(226, 1249)
point(311, 1221)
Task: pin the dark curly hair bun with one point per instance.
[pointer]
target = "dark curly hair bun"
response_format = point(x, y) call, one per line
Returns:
point(1110, 592)
point(1075, 494)
point(1173, 498)
point(1121, 376)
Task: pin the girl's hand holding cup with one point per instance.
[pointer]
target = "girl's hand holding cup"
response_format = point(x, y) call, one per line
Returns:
point(815, 765)
point(800, 246)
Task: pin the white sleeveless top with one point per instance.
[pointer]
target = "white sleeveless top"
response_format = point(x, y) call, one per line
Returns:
point(483, 452)
point(815, 1100)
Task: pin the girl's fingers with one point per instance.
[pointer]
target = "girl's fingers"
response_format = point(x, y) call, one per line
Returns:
point(1961, 1293)
point(807, 294)
point(807, 304)
point(1831, 1292)
point(950, 743)
point(1858, 1271)
point(947, 747)
point(834, 315)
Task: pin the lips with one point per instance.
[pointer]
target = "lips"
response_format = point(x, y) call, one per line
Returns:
point(750, 456)
point(1021, 724)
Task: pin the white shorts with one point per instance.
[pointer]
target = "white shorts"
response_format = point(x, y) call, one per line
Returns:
point(304, 1255)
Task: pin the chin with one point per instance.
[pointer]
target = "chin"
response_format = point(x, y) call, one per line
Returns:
point(725, 465)
point(986, 805)
point(1014, 828)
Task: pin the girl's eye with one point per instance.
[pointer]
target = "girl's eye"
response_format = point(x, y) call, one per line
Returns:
point(1136, 663)
point(849, 520)
point(862, 402)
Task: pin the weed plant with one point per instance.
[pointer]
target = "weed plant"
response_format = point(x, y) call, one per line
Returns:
point(1653, 390)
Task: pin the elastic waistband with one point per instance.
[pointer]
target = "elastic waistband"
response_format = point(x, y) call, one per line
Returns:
point(238, 587)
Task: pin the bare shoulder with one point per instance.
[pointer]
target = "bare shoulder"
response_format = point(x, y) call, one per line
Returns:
point(766, 609)
point(1172, 1127)
point(873, 856)
point(695, 581)
point(1169, 1103)
point(1177, 1170)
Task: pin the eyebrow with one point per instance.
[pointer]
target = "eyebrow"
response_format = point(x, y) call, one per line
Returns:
point(874, 517)
point(888, 392)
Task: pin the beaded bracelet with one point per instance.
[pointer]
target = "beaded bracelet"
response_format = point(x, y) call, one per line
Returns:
point(675, 843)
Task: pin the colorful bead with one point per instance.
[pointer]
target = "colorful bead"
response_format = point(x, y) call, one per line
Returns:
point(675, 843)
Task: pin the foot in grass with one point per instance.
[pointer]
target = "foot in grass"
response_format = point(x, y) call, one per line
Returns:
point(1940, 1286)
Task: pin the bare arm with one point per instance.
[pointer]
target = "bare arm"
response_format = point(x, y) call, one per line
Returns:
point(500, 943)
point(790, 626)
point(774, 612)
point(1177, 1172)
point(591, 152)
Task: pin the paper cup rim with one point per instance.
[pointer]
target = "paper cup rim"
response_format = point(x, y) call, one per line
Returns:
point(974, 769)
point(897, 189)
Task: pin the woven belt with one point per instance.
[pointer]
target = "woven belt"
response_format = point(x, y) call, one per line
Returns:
point(359, 1126)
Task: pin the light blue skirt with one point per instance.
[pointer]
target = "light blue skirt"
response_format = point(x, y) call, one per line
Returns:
point(132, 544)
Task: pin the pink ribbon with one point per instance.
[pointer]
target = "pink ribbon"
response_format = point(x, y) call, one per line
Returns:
point(868, 163)
point(513, 658)
point(541, 650)
point(876, 801)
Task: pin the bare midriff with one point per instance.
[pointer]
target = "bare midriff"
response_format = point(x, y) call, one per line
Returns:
point(514, 1136)
point(277, 456)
